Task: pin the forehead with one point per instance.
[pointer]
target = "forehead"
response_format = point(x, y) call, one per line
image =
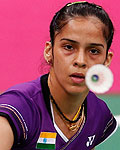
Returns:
point(82, 27)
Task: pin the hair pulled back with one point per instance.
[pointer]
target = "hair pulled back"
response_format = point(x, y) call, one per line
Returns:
point(84, 9)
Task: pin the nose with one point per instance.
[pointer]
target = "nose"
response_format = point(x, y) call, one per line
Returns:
point(80, 59)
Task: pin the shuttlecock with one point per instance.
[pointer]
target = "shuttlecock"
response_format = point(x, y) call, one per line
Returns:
point(99, 78)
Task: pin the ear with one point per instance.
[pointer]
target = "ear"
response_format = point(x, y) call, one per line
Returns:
point(108, 59)
point(48, 53)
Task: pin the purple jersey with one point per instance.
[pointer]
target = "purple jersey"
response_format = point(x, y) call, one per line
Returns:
point(28, 110)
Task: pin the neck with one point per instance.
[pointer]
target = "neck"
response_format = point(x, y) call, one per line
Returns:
point(67, 102)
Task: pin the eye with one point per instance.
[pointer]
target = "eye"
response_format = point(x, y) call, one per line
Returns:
point(94, 51)
point(68, 47)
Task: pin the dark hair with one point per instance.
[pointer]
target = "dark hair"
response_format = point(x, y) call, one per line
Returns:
point(85, 9)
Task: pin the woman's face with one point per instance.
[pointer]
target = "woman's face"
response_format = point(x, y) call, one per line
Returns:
point(79, 45)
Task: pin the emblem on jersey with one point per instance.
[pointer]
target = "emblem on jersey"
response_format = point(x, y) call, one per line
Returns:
point(46, 140)
point(90, 140)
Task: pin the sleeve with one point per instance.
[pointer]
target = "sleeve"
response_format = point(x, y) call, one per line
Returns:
point(110, 126)
point(110, 129)
point(21, 113)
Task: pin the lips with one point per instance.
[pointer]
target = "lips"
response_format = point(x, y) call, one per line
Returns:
point(77, 77)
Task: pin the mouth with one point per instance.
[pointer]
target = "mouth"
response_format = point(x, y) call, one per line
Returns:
point(77, 77)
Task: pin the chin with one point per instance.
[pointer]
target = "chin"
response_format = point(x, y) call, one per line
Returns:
point(78, 90)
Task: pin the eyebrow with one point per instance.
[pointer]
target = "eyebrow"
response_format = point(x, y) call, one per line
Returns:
point(73, 41)
point(97, 44)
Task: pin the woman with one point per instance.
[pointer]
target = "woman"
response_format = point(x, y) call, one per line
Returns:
point(57, 111)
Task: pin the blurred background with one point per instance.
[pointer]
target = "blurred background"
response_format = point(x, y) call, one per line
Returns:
point(24, 29)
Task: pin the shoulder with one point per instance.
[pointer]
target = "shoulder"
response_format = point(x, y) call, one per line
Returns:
point(18, 97)
point(24, 94)
point(97, 107)
point(96, 103)
point(28, 88)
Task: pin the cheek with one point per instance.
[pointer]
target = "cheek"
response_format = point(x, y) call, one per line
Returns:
point(99, 60)
point(58, 65)
point(102, 58)
point(59, 70)
point(60, 61)
point(96, 60)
